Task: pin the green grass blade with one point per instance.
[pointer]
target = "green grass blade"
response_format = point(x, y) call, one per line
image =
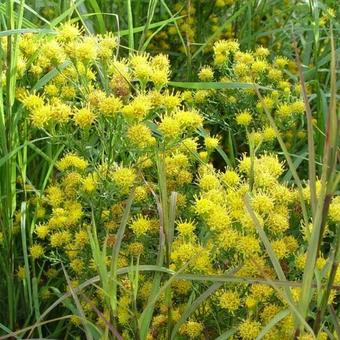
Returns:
point(116, 248)
point(213, 85)
point(25, 253)
point(79, 307)
point(130, 27)
point(277, 318)
point(276, 264)
point(227, 334)
point(287, 156)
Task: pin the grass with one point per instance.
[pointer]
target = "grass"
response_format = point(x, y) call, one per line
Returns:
point(27, 165)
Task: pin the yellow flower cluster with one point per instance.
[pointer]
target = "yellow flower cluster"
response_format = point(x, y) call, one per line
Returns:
point(130, 138)
point(241, 106)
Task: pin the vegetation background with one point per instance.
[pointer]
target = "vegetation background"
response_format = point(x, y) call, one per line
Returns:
point(305, 31)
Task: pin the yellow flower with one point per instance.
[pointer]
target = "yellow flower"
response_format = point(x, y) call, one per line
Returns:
point(189, 119)
point(249, 329)
point(230, 300)
point(81, 238)
point(60, 238)
point(230, 178)
point(204, 206)
point(334, 210)
point(54, 195)
point(124, 178)
point(138, 108)
point(243, 118)
point(77, 265)
point(84, 118)
point(31, 101)
point(248, 245)
point(269, 311)
point(141, 136)
point(159, 77)
point(262, 203)
point(268, 133)
point(85, 50)
point(40, 116)
point(141, 66)
point(206, 74)
point(21, 272)
point(211, 143)
point(262, 52)
point(60, 112)
point(208, 182)
point(109, 106)
point(281, 61)
point(170, 127)
point(185, 228)
point(67, 32)
point(280, 249)
point(42, 231)
point(259, 66)
point(36, 251)
point(135, 248)
point(141, 225)
point(72, 160)
point(90, 183)
point(192, 328)
point(106, 45)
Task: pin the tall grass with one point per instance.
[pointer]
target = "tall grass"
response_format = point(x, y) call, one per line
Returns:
point(19, 155)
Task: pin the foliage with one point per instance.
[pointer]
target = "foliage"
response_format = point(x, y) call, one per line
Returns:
point(133, 206)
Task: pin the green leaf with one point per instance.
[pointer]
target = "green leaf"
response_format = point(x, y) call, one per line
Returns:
point(277, 318)
point(214, 85)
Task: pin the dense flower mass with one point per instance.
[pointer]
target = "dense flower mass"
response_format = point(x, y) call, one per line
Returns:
point(175, 205)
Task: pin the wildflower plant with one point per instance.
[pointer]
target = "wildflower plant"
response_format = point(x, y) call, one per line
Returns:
point(135, 229)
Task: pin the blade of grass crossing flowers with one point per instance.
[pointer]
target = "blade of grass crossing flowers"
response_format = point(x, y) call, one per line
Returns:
point(276, 319)
point(325, 194)
point(335, 320)
point(299, 158)
point(25, 253)
point(79, 307)
point(153, 299)
point(276, 264)
point(287, 156)
point(146, 316)
point(222, 153)
point(195, 304)
point(291, 305)
point(324, 302)
point(172, 217)
point(116, 248)
point(213, 85)
point(24, 30)
point(36, 304)
point(8, 204)
point(227, 334)
point(30, 328)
